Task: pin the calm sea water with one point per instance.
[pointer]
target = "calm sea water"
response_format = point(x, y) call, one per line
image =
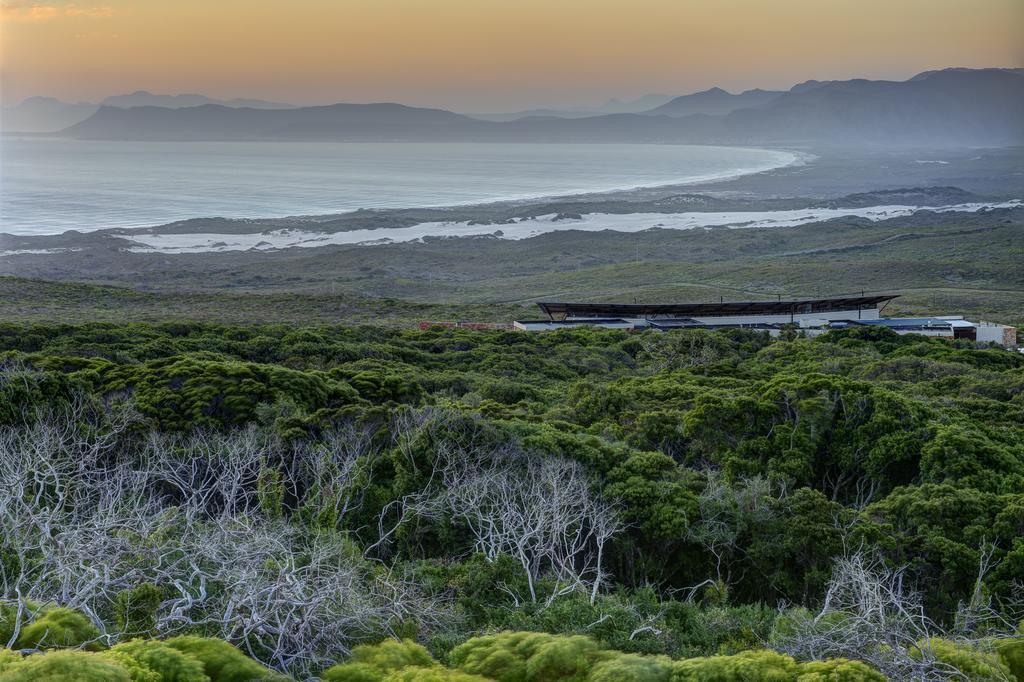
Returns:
point(48, 186)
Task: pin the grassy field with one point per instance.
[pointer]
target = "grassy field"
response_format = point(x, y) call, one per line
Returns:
point(28, 300)
point(938, 262)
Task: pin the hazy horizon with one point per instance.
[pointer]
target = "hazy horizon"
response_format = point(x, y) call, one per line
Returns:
point(466, 56)
point(594, 105)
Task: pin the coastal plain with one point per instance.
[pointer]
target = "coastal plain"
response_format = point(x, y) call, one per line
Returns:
point(969, 262)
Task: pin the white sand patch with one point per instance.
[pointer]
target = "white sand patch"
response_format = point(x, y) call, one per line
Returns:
point(23, 252)
point(532, 227)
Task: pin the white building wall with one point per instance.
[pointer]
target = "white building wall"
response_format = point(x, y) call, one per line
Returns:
point(869, 314)
point(1004, 335)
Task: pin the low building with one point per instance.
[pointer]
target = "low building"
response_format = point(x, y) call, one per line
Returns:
point(812, 317)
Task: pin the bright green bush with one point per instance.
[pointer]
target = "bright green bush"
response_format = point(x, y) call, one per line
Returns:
point(433, 674)
point(353, 672)
point(8, 659)
point(747, 666)
point(65, 666)
point(977, 666)
point(135, 610)
point(373, 662)
point(564, 658)
point(537, 657)
point(632, 668)
point(139, 672)
point(838, 670)
point(8, 615)
point(392, 655)
point(171, 664)
point(57, 627)
point(1011, 653)
point(528, 657)
point(221, 661)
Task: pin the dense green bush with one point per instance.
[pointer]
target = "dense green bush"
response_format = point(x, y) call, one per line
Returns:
point(136, 608)
point(632, 668)
point(1011, 654)
point(735, 462)
point(752, 666)
point(139, 672)
point(57, 627)
point(79, 666)
point(393, 661)
point(185, 658)
point(974, 664)
point(172, 664)
point(539, 657)
point(527, 656)
point(8, 659)
point(837, 670)
point(221, 661)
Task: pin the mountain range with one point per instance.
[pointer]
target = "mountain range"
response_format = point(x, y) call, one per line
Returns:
point(44, 115)
point(48, 114)
point(714, 102)
point(612, 106)
point(951, 107)
point(142, 98)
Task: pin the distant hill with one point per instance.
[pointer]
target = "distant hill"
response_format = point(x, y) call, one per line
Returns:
point(612, 106)
point(43, 115)
point(943, 108)
point(142, 98)
point(503, 117)
point(48, 115)
point(218, 122)
point(714, 102)
point(927, 74)
point(952, 107)
point(634, 106)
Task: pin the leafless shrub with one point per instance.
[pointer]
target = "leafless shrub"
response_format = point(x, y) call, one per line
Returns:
point(870, 613)
point(539, 510)
point(726, 511)
point(681, 349)
point(89, 512)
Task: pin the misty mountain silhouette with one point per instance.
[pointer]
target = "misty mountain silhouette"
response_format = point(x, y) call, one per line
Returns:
point(949, 107)
point(44, 115)
point(142, 98)
point(715, 101)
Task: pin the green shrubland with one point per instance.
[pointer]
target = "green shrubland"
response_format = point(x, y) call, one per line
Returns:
point(372, 503)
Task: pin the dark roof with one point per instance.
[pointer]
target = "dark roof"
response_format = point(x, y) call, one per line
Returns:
point(804, 306)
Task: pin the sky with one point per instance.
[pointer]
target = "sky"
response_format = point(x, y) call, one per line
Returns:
point(485, 55)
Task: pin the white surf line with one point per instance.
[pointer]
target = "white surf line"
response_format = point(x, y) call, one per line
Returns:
point(532, 227)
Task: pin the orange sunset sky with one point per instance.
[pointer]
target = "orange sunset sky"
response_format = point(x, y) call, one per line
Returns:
point(485, 55)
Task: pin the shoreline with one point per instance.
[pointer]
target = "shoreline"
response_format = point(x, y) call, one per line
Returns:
point(781, 158)
point(814, 179)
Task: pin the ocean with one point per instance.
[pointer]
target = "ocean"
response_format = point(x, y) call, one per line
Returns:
point(50, 185)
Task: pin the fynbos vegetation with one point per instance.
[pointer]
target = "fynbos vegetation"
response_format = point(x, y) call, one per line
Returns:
point(198, 502)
